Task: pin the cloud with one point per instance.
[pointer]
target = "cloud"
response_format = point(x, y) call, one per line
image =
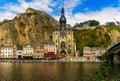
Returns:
point(105, 15)
point(10, 9)
point(23, 5)
point(50, 6)
point(70, 4)
point(6, 15)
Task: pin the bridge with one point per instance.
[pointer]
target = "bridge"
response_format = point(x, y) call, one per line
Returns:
point(114, 52)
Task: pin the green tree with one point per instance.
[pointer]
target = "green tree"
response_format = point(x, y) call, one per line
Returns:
point(77, 25)
point(93, 23)
point(4, 21)
point(110, 24)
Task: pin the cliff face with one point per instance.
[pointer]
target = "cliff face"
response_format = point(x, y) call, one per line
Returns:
point(115, 36)
point(31, 27)
point(100, 36)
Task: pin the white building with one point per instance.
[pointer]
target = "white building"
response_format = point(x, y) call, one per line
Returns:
point(100, 51)
point(19, 54)
point(7, 52)
point(93, 53)
point(87, 53)
point(28, 51)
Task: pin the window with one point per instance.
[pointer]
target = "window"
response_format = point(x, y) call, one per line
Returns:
point(69, 51)
point(62, 44)
point(69, 40)
point(56, 40)
point(69, 45)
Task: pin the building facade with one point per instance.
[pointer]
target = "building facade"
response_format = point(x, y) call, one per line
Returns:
point(38, 51)
point(7, 52)
point(19, 54)
point(87, 53)
point(0, 54)
point(50, 51)
point(93, 53)
point(28, 51)
point(14, 51)
point(63, 39)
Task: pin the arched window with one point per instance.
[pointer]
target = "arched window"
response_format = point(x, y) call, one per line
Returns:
point(69, 51)
point(62, 45)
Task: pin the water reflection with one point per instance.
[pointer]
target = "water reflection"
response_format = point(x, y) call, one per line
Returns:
point(47, 71)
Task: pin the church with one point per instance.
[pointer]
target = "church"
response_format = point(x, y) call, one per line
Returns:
point(63, 39)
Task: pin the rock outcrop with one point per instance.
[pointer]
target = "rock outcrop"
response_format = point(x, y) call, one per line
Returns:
point(31, 27)
point(115, 36)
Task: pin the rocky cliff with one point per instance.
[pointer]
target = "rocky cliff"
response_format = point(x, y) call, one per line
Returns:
point(115, 35)
point(31, 27)
point(100, 36)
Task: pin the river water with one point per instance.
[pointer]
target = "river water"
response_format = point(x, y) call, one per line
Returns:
point(48, 71)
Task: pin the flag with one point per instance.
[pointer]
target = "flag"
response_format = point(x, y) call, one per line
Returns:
point(117, 22)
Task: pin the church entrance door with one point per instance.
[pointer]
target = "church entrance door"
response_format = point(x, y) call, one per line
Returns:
point(62, 53)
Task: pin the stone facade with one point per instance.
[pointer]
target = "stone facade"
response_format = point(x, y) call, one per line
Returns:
point(63, 39)
point(38, 51)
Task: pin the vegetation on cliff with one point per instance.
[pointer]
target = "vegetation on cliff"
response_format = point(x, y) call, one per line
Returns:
point(100, 36)
point(4, 21)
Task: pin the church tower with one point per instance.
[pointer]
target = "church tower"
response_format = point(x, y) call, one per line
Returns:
point(63, 38)
point(62, 20)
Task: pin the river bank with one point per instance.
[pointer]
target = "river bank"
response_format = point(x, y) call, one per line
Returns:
point(30, 61)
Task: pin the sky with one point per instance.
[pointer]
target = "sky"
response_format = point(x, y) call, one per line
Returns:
point(76, 11)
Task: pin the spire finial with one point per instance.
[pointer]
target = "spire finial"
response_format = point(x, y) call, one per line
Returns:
point(62, 7)
point(63, 3)
point(28, 3)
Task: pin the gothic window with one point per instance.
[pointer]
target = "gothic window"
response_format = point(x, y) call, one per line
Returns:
point(56, 40)
point(69, 51)
point(62, 45)
point(69, 40)
point(69, 45)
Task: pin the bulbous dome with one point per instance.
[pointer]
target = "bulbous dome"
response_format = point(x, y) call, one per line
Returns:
point(62, 18)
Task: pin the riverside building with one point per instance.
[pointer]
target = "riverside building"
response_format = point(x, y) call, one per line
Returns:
point(7, 52)
point(50, 51)
point(38, 51)
point(28, 51)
